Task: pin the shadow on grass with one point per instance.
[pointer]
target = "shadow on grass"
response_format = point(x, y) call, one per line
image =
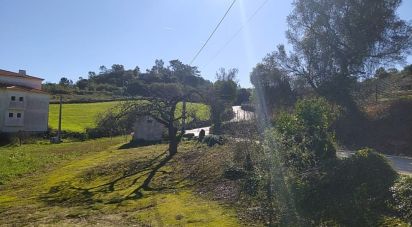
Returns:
point(138, 143)
point(66, 194)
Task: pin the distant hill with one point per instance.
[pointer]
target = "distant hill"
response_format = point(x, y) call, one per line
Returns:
point(118, 83)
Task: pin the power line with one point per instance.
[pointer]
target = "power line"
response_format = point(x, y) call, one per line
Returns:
point(238, 31)
point(217, 26)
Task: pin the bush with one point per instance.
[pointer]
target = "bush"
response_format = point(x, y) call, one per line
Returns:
point(106, 87)
point(402, 195)
point(248, 107)
point(21, 137)
point(189, 136)
point(357, 191)
point(111, 124)
point(212, 140)
point(303, 154)
point(75, 135)
point(303, 138)
point(228, 114)
point(202, 135)
point(240, 128)
point(319, 187)
point(234, 173)
point(6, 138)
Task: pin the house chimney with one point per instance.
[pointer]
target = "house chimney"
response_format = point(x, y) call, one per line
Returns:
point(22, 72)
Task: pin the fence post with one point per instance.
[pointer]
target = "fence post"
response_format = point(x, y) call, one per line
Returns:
point(376, 92)
point(59, 130)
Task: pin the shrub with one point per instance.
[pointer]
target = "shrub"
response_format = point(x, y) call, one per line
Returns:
point(234, 173)
point(77, 135)
point(202, 134)
point(189, 136)
point(323, 189)
point(21, 137)
point(402, 195)
point(357, 191)
point(6, 138)
point(106, 87)
point(212, 140)
point(248, 107)
point(228, 114)
point(303, 138)
point(110, 124)
point(303, 155)
point(240, 128)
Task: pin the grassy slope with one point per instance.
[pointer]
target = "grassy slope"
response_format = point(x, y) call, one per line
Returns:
point(78, 117)
point(78, 192)
point(15, 160)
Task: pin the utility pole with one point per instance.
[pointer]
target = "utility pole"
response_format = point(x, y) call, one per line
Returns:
point(60, 120)
point(184, 111)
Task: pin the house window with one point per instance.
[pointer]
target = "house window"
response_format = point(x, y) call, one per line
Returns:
point(21, 99)
point(10, 115)
point(13, 98)
point(18, 115)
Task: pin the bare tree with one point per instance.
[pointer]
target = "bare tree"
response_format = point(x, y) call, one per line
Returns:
point(160, 101)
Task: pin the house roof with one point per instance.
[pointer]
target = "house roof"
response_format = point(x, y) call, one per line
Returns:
point(13, 74)
point(21, 88)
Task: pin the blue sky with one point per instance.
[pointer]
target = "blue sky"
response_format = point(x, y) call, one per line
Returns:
point(55, 38)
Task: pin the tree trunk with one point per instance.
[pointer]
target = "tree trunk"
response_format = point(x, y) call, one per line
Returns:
point(173, 140)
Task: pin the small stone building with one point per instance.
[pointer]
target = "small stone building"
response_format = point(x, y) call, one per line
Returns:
point(146, 128)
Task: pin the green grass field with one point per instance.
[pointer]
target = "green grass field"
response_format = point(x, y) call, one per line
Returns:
point(79, 116)
point(89, 184)
point(201, 111)
point(18, 160)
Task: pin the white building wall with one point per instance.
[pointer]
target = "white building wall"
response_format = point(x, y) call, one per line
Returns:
point(3, 106)
point(37, 112)
point(148, 129)
point(27, 114)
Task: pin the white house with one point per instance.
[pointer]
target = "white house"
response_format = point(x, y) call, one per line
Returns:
point(23, 105)
point(146, 128)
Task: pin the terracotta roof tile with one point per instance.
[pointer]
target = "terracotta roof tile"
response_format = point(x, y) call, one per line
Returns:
point(13, 74)
point(21, 88)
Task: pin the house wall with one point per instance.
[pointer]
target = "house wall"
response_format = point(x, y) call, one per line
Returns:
point(21, 81)
point(37, 113)
point(31, 114)
point(148, 129)
point(3, 106)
